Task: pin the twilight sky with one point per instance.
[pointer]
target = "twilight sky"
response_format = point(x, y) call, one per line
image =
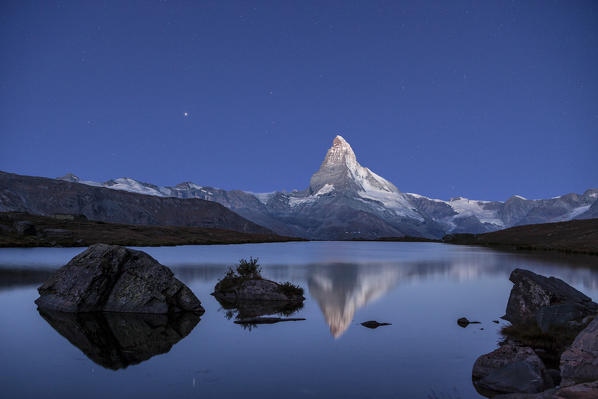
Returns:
point(482, 99)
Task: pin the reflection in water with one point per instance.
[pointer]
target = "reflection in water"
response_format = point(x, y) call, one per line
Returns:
point(118, 340)
point(255, 309)
point(342, 289)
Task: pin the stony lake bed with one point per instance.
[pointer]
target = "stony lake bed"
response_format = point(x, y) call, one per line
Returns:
point(421, 289)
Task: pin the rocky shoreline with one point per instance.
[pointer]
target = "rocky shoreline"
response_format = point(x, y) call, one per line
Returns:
point(551, 348)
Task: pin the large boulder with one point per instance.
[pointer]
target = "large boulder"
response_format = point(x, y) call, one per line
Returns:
point(547, 301)
point(508, 369)
point(112, 278)
point(579, 363)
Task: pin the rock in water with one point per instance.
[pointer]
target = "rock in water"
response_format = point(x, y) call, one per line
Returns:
point(547, 301)
point(112, 278)
point(579, 363)
point(374, 324)
point(464, 322)
point(258, 289)
point(510, 368)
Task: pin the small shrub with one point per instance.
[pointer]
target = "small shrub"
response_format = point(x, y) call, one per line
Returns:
point(249, 269)
point(290, 289)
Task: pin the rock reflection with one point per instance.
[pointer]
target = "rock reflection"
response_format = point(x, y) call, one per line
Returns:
point(118, 340)
point(254, 309)
point(342, 289)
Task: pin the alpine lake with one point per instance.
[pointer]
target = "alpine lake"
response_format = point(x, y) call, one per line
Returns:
point(420, 288)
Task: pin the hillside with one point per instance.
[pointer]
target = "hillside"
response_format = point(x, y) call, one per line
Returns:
point(43, 196)
point(572, 236)
point(25, 230)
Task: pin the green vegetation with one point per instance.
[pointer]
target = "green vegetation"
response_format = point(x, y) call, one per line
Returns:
point(290, 289)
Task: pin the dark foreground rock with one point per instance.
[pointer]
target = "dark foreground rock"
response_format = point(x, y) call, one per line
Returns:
point(588, 390)
point(579, 363)
point(112, 278)
point(510, 368)
point(374, 324)
point(119, 340)
point(547, 301)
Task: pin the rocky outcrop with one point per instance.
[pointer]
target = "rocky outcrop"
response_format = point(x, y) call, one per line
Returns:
point(119, 340)
point(112, 278)
point(254, 290)
point(579, 363)
point(510, 368)
point(547, 301)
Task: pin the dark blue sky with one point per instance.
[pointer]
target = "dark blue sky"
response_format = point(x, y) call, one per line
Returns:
point(476, 98)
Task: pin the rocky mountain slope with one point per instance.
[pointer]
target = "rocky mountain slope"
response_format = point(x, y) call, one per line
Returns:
point(42, 196)
point(345, 200)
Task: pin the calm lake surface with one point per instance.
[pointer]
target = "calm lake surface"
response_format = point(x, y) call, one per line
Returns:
point(421, 288)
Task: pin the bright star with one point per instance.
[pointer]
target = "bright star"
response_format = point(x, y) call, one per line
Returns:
point(186, 113)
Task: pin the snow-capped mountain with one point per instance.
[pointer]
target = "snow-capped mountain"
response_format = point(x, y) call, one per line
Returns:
point(345, 200)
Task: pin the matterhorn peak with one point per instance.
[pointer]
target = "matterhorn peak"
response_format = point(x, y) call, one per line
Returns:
point(341, 171)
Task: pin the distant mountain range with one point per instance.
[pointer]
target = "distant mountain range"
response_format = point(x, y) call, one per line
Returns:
point(43, 196)
point(345, 200)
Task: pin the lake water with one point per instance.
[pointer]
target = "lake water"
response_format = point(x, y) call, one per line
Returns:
point(421, 288)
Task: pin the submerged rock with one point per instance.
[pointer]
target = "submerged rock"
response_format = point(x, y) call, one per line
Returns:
point(464, 322)
point(374, 324)
point(266, 320)
point(112, 278)
point(510, 368)
point(119, 340)
point(547, 301)
point(579, 363)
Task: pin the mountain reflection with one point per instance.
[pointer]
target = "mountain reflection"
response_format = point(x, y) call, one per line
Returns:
point(118, 340)
point(342, 289)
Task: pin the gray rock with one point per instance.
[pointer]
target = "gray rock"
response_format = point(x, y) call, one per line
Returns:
point(112, 278)
point(533, 292)
point(579, 363)
point(253, 290)
point(559, 315)
point(25, 228)
point(520, 376)
point(510, 369)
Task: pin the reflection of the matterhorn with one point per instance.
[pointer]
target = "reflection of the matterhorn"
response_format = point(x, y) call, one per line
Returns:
point(341, 289)
point(118, 340)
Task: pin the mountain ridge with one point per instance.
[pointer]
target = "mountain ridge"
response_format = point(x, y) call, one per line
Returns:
point(345, 200)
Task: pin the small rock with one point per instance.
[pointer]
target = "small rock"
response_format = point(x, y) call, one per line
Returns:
point(495, 321)
point(464, 322)
point(374, 324)
point(510, 369)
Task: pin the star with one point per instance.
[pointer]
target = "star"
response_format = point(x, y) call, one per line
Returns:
point(186, 113)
